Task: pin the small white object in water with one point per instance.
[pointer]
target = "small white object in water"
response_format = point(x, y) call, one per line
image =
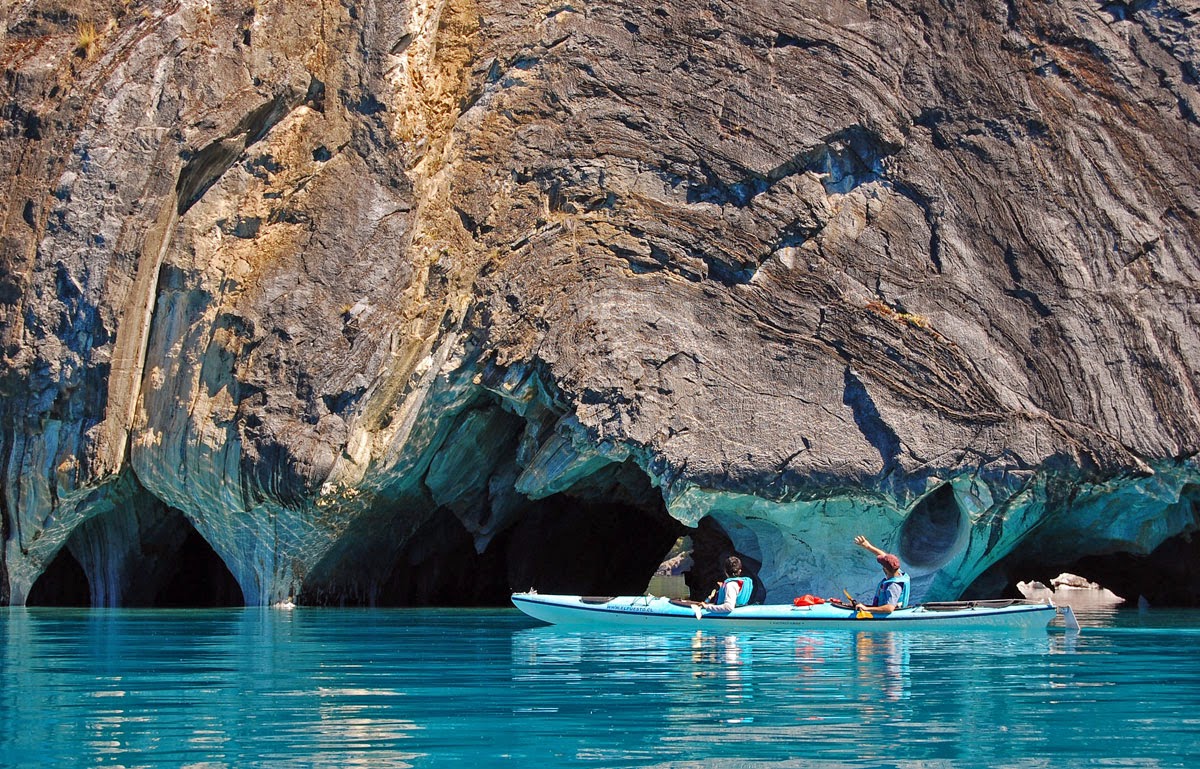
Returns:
point(1073, 580)
point(1072, 590)
point(1029, 588)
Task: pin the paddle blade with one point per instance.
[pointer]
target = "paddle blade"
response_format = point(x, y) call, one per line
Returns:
point(1069, 620)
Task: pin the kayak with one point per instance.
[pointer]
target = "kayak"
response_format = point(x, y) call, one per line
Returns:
point(657, 613)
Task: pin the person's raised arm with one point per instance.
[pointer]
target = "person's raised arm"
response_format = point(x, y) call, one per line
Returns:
point(861, 541)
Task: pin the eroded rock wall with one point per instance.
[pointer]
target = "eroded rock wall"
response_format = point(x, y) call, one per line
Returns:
point(333, 281)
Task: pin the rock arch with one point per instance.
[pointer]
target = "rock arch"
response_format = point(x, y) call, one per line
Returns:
point(604, 534)
point(139, 555)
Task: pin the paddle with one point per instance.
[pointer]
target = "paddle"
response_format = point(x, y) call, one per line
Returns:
point(860, 614)
point(695, 606)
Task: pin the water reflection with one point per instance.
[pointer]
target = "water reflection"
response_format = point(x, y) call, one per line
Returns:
point(734, 678)
point(228, 688)
point(721, 657)
point(708, 649)
point(393, 689)
point(883, 659)
point(790, 693)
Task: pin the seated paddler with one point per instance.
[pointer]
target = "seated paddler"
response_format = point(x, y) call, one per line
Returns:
point(892, 591)
point(731, 592)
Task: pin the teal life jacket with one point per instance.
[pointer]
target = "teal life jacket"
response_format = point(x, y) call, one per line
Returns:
point(744, 591)
point(900, 579)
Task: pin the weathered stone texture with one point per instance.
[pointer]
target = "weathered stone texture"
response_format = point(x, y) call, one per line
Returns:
point(337, 280)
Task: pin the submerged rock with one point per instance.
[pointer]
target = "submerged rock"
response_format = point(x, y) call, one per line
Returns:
point(417, 303)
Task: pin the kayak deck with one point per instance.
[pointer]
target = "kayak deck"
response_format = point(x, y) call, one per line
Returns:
point(662, 613)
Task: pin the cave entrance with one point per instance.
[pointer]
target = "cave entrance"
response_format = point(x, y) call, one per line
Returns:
point(142, 554)
point(63, 583)
point(199, 579)
point(580, 546)
point(606, 534)
point(468, 526)
point(1167, 576)
point(711, 545)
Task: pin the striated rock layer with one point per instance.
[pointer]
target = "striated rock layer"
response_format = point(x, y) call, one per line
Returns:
point(412, 302)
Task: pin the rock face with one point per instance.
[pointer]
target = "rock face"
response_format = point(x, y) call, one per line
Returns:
point(420, 302)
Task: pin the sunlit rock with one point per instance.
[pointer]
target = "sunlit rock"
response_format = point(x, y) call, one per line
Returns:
point(669, 579)
point(1073, 581)
point(678, 561)
point(1071, 590)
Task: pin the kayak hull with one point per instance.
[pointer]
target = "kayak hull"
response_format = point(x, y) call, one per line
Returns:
point(653, 613)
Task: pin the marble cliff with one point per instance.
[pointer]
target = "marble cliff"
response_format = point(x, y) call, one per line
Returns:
point(417, 302)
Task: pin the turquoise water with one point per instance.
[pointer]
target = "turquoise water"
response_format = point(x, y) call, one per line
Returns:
point(424, 688)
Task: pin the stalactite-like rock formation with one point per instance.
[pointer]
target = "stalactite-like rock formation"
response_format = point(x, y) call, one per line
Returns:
point(420, 302)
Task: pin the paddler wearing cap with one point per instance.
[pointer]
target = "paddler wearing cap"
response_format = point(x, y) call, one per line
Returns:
point(892, 592)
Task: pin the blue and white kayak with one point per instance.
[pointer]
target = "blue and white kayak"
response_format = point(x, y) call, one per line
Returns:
point(656, 613)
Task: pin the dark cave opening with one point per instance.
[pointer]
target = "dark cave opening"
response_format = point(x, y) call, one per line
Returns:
point(166, 565)
point(560, 545)
point(711, 545)
point(441, 567)
point(606, 534)
point(63, 583)
point(1168, 576)
point(581, 547)
point(200, 579)
point(172, 566)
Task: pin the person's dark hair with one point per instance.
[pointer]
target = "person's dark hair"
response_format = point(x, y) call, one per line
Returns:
point(733, 566)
